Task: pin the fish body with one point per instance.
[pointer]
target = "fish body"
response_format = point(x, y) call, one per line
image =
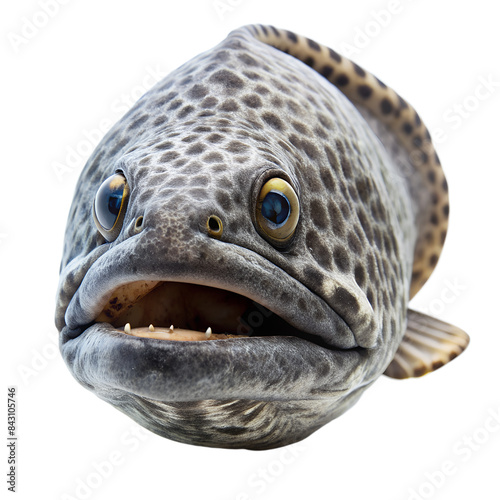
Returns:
point(268, 209)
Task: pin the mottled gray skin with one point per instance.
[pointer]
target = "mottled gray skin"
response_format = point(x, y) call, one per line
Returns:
point(201, 143)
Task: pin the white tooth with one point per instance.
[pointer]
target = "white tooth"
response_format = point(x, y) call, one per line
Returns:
point(151, 328)
point(126, 328)
point(208, 333)
point(171, 327)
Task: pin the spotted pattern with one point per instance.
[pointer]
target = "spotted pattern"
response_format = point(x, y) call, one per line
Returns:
point(369, 92)
point(199, 145)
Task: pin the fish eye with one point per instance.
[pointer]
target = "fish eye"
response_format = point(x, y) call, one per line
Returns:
point(277, 211)
point(110, 205)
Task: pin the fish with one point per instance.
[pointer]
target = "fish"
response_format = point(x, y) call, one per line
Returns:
point(244, 242)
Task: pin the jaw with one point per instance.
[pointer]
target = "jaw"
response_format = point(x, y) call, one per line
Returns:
point(303, 365)
point(242, 392)
point(269, 368)
point(174, 341)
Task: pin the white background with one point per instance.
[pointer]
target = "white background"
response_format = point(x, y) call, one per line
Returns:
point(74, 74)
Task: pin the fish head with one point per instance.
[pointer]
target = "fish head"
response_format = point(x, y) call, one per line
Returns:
point(235, 263)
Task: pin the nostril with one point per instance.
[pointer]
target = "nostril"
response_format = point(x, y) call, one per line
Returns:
point(138, 223)
point(214, 226)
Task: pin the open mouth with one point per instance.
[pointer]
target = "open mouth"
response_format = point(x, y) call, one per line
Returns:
point(149, 337)
point(228, 301)
point(188, 312)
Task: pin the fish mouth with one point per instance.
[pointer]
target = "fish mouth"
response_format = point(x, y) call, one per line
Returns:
point(177, 311)
point(242, 294)
point(172, 333)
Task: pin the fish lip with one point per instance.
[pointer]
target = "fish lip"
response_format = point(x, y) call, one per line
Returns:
point(256, 368)
point(107, 273)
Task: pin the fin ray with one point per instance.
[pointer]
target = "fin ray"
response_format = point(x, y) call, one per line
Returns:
point(427, 345)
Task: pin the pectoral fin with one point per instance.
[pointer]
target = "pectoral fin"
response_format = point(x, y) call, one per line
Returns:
point(427, 345)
